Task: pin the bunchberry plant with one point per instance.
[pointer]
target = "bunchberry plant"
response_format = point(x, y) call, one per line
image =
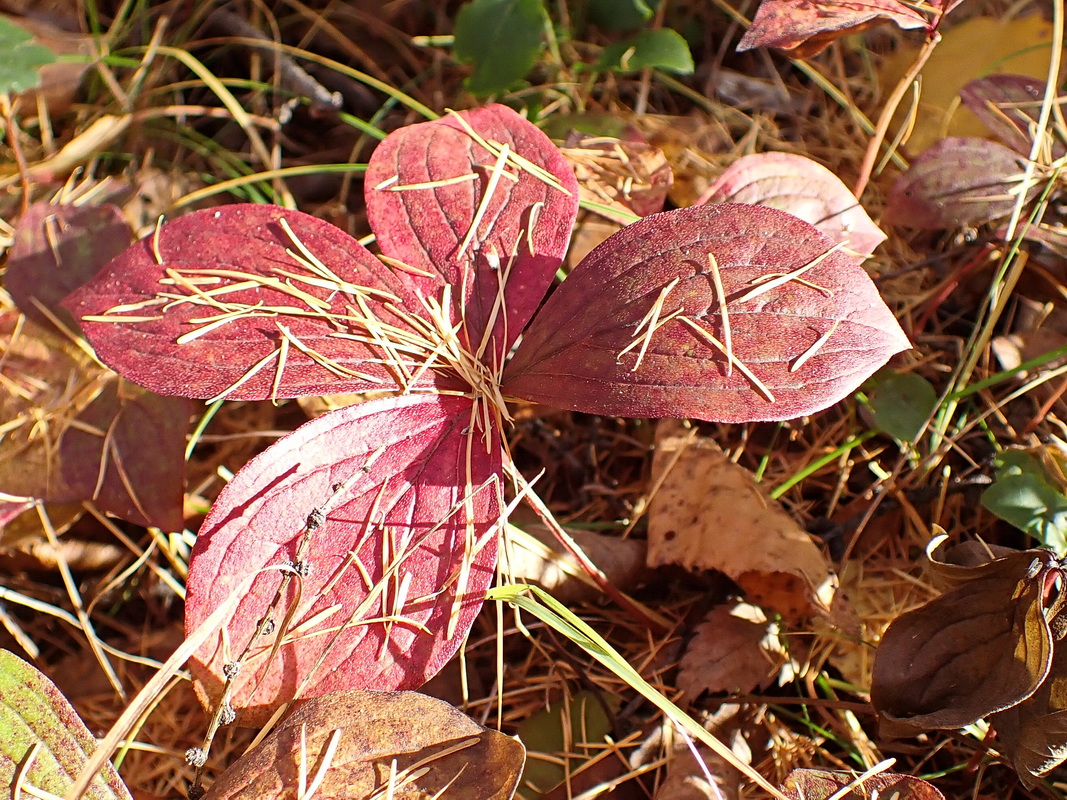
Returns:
point(374, 528)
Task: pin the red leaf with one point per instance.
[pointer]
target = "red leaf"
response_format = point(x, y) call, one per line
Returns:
point(805, 27)
point(395, 536)
point(1009, 105)
point(959, 182)
point(230, 254)
point(526, 215)
point(56, 249)
point(808, 342)
point(805, 189)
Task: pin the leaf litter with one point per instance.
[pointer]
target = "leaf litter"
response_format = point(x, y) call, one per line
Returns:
point(599, 472)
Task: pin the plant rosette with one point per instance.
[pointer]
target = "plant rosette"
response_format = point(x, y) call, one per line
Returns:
point(374, 528)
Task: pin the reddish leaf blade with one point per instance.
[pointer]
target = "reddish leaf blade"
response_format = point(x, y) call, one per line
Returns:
point(959, 182)
point(804, 188)
point(376, 735)
point(43, 739)
point(806, 27)
point(523, 224)
point(406, 465)
point(286, 339)
point(1009, 105)
point(808, 342)
point(57, 249)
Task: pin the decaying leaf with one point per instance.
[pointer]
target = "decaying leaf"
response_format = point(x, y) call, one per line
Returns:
point(43, 741)
point(684, 301)
point(981, 647)
point(384, 516)
point(958, 182)
point(376, 744)
point(821, 784)
point(806, 27)
point(804, 188)
point(710, 514)
point(735, 649)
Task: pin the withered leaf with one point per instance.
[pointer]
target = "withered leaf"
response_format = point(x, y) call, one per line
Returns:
point(819, 784)
point(978, 649)
point(385, 744)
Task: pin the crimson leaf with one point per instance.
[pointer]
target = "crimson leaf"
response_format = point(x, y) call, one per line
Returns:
point(398, 500)
point(806, 324)
point(226, 302)
point(452, 204)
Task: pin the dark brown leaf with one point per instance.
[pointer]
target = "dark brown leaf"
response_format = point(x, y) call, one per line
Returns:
point(980, 648)
point(395, 744)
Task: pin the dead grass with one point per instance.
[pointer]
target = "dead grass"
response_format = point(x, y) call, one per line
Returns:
point(169, 135)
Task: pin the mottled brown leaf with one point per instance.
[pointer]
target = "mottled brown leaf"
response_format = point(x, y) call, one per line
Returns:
point(980, 648)
point(821, 784)
point(57, 249)
point(385, 744)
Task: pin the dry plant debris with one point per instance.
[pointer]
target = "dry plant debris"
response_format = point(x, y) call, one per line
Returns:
point(183, 107)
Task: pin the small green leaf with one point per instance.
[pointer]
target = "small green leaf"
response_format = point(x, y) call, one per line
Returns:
point(41, 735)
point(501, 39)
point(23, 58)
point(1032, 504)
point(620, 15)
point(661, 48)
point(902, 403)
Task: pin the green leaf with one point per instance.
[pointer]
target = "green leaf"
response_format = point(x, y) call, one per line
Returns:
point(575, 725)
point(902, 403)
point(501, 39)
point(42, 737)
point(23, 59)
point(620, 15)
point(1032, 504)
point(661, 48)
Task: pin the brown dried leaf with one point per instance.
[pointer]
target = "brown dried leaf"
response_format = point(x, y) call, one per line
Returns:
point(819, 784)
point(384, 744)
point(980, 648)
point(735, 649)
point(710, 514)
